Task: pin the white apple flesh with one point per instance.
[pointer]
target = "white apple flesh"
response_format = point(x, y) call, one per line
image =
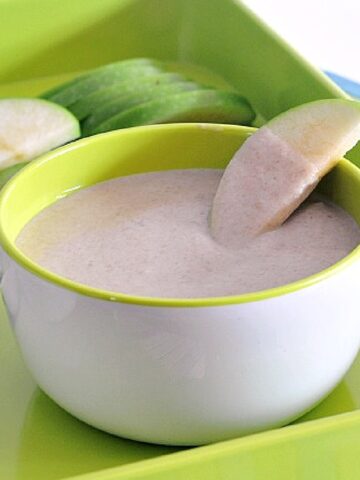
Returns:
point(30, 127)
point(279, 166)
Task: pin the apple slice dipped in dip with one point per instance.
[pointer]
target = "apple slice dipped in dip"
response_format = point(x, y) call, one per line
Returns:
point(279, 166)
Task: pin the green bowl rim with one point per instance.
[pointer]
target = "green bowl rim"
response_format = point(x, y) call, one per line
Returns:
point(21, 259)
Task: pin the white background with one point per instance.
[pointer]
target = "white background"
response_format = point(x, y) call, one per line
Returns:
point(327, 33)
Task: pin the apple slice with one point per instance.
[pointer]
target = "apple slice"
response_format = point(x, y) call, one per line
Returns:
point(81, 86)
point(125, 102)
point(279, 166)
point(30, 127)
point(205, 105)
point(104, 95)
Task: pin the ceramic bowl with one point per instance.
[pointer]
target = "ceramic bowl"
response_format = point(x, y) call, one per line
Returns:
point(174, 371)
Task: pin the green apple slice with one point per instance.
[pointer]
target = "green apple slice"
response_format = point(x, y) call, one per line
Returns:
point(30, 127)
point(101, 77)
point(9, 172)
point(196, 106)
point(99, 98)
point(103, 69)
point(279, 166)
point(125, 102)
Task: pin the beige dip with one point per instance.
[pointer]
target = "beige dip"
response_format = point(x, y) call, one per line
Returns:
point(148, 235)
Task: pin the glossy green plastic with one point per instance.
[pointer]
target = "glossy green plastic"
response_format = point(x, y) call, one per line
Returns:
point(42, 43)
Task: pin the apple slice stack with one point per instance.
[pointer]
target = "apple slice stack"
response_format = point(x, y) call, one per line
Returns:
point(143, 92)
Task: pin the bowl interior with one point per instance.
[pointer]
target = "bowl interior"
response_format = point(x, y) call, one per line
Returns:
point(138, 150)
point(107, 156)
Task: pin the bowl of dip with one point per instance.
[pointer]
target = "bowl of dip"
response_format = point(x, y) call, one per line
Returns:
point(181, 370)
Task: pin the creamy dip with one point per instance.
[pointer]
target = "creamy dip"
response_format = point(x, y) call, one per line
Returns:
point(148, 235)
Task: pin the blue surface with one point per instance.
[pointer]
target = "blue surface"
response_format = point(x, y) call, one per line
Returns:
point(349, 86)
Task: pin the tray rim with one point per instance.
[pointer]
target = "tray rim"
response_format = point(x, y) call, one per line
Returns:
point(257, 440)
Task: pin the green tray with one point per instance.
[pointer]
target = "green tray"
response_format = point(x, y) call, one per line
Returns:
point(43, 42)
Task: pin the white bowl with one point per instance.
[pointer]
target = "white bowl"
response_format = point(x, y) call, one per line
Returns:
point(181, 372)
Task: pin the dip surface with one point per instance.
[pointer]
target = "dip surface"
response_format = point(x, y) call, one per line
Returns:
point(148, 235)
